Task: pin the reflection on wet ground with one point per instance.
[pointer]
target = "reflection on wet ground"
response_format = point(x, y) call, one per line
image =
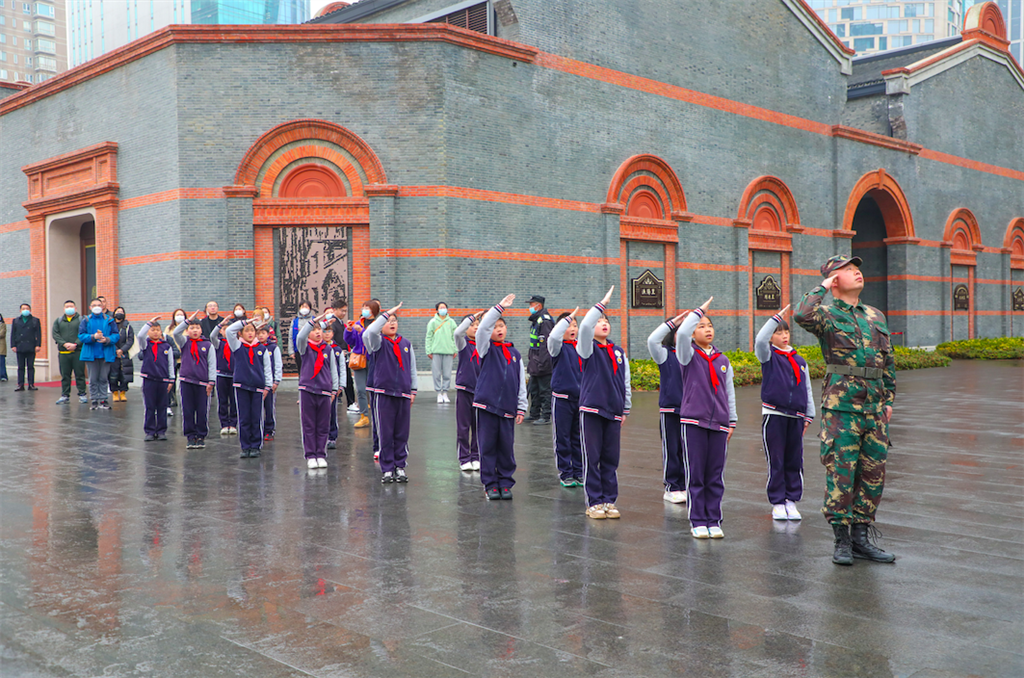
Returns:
point(124, 558)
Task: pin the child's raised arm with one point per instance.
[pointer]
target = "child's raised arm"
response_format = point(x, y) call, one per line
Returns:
point(558, 332)
point(684, 335)
point(231, 334)
point(585, 338)
point(460, 331)
point(302, 337)
point(654, 342)
point(371, 335)
point(487, 323)
point(763, 340)
point(144, 334)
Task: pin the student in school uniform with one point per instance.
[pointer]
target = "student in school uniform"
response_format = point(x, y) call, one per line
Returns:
point(227, 408)
point(566, 375)
point(707, 414)
point(500, 402)
point(265, 336)
point(197, 375)
point(605, 398)
point(318, 383)
point(465, 384)
point(252, 378)
point(662, 347)
point(787, 410)
point(339, 367)
point(394, 386)
point(157, 378)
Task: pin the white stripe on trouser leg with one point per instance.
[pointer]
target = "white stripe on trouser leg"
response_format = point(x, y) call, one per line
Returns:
point(238, 420)
point(554, 435)
point(686, 472)
point(302, 433)
point(263, 413)
point(376, 417)
point(767, 455)
point(664, 453)
point(725, 460)
point(586, 460)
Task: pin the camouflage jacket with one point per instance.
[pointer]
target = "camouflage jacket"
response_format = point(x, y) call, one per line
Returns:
point(850, 335)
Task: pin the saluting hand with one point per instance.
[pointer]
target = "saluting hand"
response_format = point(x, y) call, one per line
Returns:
point(828, 282)
point(608, 297)
point(395, 309)
point(193, 316)
point(679, 318)
point(706, 305)
point(782, 313)
point(507, 301)
point(572, 316)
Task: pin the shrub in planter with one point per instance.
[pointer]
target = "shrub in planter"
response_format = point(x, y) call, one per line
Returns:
point(999, 348)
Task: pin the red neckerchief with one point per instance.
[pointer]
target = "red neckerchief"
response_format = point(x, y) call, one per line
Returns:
point(504, 349)
point(250, 347)
point(319, 350)
point(610, 347)
point(155, 344)
point(474, 357)
point(396, 349)
point(227, 353)
point(194, 349)
point(792, 361)
point(572, 342)
point(710, 359)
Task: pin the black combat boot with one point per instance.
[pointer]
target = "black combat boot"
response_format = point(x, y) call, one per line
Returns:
point(863, 548)
point(842, 555)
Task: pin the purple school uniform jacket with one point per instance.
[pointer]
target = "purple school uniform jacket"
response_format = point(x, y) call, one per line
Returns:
point(318, 374)
point(394, 361)
point(468, 370)
point(501, 384)
point(157, 358)
point(709, 397)
point(605, 387)
point(567, 365)
point(198, 362)
point(785, 379)
point(250, 363)
point(670, 390)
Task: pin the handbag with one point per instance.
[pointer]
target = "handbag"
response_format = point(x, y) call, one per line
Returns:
point(356, 361)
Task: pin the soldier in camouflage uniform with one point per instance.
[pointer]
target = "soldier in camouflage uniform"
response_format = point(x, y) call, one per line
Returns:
point(857, 397)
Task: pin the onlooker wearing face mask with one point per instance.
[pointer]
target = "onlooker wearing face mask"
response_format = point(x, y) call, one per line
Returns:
point(440, 347)
point(121, 371)
point(177, 318)
point(65, 335)
point(3, 349)
point(26, 340)
point(98, 335)
point(357, 357)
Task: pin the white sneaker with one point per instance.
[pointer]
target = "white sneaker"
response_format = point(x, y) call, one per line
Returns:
point(311, 464)
point(779, 512)
point(376, 456)
point(440, 398)
point(700, 532)
point(791, 512)
point(468, 466)
point(170, 412)
point(476, 465)
point(233, 431)
point(353, 408)
point(444, 395)
point(716, 532)
point(677, 497)
point(226, 431)
point(321, 462)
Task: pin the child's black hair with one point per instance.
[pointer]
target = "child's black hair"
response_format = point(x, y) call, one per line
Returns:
point(437, 306)
point(563, 315)
point(502, 321)
point(783, 325)
point(670, 339)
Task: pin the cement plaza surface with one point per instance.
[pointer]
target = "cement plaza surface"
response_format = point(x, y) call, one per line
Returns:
point(124, 558)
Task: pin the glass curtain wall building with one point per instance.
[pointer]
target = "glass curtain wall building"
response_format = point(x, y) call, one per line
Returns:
point(873, 26)
point(249, 11)
point(1012, 10)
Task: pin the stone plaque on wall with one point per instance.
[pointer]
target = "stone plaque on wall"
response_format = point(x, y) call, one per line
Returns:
point(648, 291)
point(769, 295)
point(961, 298)
point(1018, 299)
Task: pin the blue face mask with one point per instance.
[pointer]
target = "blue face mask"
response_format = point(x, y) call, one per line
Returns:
point(69, 311)
point(366, 313)
point(442, 312)
point(25, 313)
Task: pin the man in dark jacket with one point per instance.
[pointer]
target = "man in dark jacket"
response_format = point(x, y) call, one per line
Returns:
point(65, 335)
point(538, 364)
point(212, 318)
point(26, 341)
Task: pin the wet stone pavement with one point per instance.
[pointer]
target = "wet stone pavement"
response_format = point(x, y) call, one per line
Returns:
point(124, 558)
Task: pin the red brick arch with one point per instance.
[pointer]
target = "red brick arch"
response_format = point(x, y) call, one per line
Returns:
point(664, 182)
point(962, 230)
point(1014, 242)
point(887, 194)
point(764, 191)
point(308, 130)
point(985, 17)
point(297, 156)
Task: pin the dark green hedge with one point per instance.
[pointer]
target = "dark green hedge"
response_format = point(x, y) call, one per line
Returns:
point(1000, 348)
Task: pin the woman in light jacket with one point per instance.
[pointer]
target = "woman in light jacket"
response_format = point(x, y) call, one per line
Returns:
point(440, 347)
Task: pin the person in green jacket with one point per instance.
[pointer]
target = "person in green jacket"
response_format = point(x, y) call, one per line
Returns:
point(65, 335)
point(440, 345)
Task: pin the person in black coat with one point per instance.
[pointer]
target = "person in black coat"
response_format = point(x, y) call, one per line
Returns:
point(121, 371)
point(26, 341)
point(538, 364)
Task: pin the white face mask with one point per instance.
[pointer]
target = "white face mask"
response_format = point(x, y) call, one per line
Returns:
point(330, 314)
point(69, 311)
point(179, 318)
point(96, 310)
point(239, 313)
point(303, 311)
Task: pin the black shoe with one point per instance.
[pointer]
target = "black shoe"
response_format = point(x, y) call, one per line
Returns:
point(387, 478)
point(268, 437)
point(244, 454)
point(400, 476)
point(104, 405)
point(506, 493)
point(332, 445)
point(200, 443)
point(161, 437)
point(20, 388)
point(32, 387)
point(530, 418)
point(579, 481)
point(541, 422)
point(493, 494)
point(148, 439)
point(95, 405)
point(843, 547)
point(860, 535)
point(190, 445)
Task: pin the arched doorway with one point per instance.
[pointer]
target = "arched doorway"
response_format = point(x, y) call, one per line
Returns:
point(878, 215)
point(1013, 249)
point(963, 238)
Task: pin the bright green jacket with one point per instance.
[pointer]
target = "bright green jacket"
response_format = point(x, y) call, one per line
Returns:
point(441, 336)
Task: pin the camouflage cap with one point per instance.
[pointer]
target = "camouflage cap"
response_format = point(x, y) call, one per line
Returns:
point(836, 262)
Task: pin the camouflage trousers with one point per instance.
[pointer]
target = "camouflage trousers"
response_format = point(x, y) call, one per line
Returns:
point(853, 450)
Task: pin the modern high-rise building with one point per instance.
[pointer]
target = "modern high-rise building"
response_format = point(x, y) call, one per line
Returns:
point(1013, 14)
point(97, 26)
point(33, 40)
point(871, 26)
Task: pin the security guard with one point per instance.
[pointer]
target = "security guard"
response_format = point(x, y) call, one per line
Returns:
point(538, 363)
point(857, 397)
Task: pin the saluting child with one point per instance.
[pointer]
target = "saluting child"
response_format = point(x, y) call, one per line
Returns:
point(707, 414)
point(318, 382)
point(227, 409)
point(265, 336)
point(465, 384)
point(662, 347)
point(605, 398)
point(394, 390)
point(197, 376)
point(787, 409)
point(500, 402)
point(339, 367)
point(566, 375)
point(252, 378)
point(157, 378)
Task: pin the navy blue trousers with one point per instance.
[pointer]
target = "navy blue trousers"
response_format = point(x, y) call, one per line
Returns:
point(270, 414)
point(783, 439)
point(227, 409)
point(496, 436)
point(315, 423)
point(195, 411)
point(250, 418)
point(673, 465)
point(565, 432)
point(600, 438)
point(154, 398)
point(332, 432)
point(392, 415)
point(465, 427)
point(704, 452)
